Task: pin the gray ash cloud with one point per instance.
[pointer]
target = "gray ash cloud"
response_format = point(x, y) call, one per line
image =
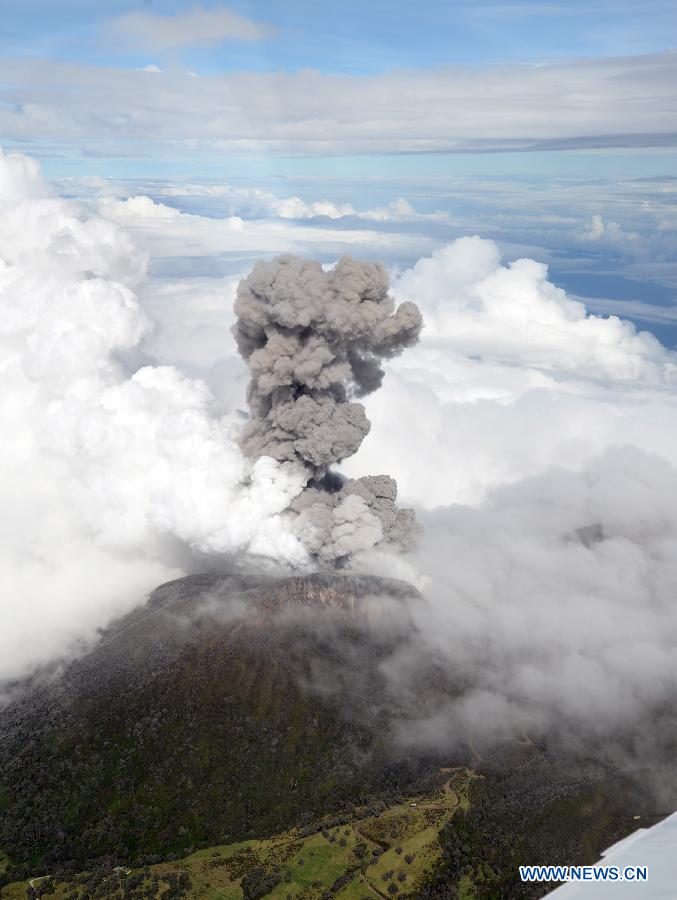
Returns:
point(314, 341)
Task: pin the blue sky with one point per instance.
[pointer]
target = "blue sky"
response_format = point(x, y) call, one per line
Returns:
point(270, 82)
point(501, 116)
point(354, 36)
point(69, 76)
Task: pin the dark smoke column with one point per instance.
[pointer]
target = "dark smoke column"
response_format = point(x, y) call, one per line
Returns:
point(314, 340)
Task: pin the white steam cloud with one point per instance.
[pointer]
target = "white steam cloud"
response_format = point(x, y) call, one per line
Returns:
point(545, 446)
point(106, 466)
point(551, 615)
point(538, 442)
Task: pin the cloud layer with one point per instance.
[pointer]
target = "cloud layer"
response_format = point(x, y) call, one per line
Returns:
point(624, 102)
point(551, 613)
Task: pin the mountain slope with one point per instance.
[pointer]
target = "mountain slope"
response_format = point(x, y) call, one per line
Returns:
point(220, 711)
point(225, 712)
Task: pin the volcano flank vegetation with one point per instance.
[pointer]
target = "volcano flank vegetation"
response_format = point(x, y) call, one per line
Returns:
point(255, 719)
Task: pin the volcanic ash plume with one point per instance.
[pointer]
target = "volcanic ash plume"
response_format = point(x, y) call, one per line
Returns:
point(313, 340)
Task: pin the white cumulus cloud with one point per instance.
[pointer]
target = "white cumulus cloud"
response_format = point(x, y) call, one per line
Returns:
point(107, 467)
point(511, 376)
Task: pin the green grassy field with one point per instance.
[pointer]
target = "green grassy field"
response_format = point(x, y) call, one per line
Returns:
point(387, 854)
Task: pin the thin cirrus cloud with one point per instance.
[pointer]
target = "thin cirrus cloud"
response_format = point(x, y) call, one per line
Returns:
point(614, 102)
point(197, 27)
